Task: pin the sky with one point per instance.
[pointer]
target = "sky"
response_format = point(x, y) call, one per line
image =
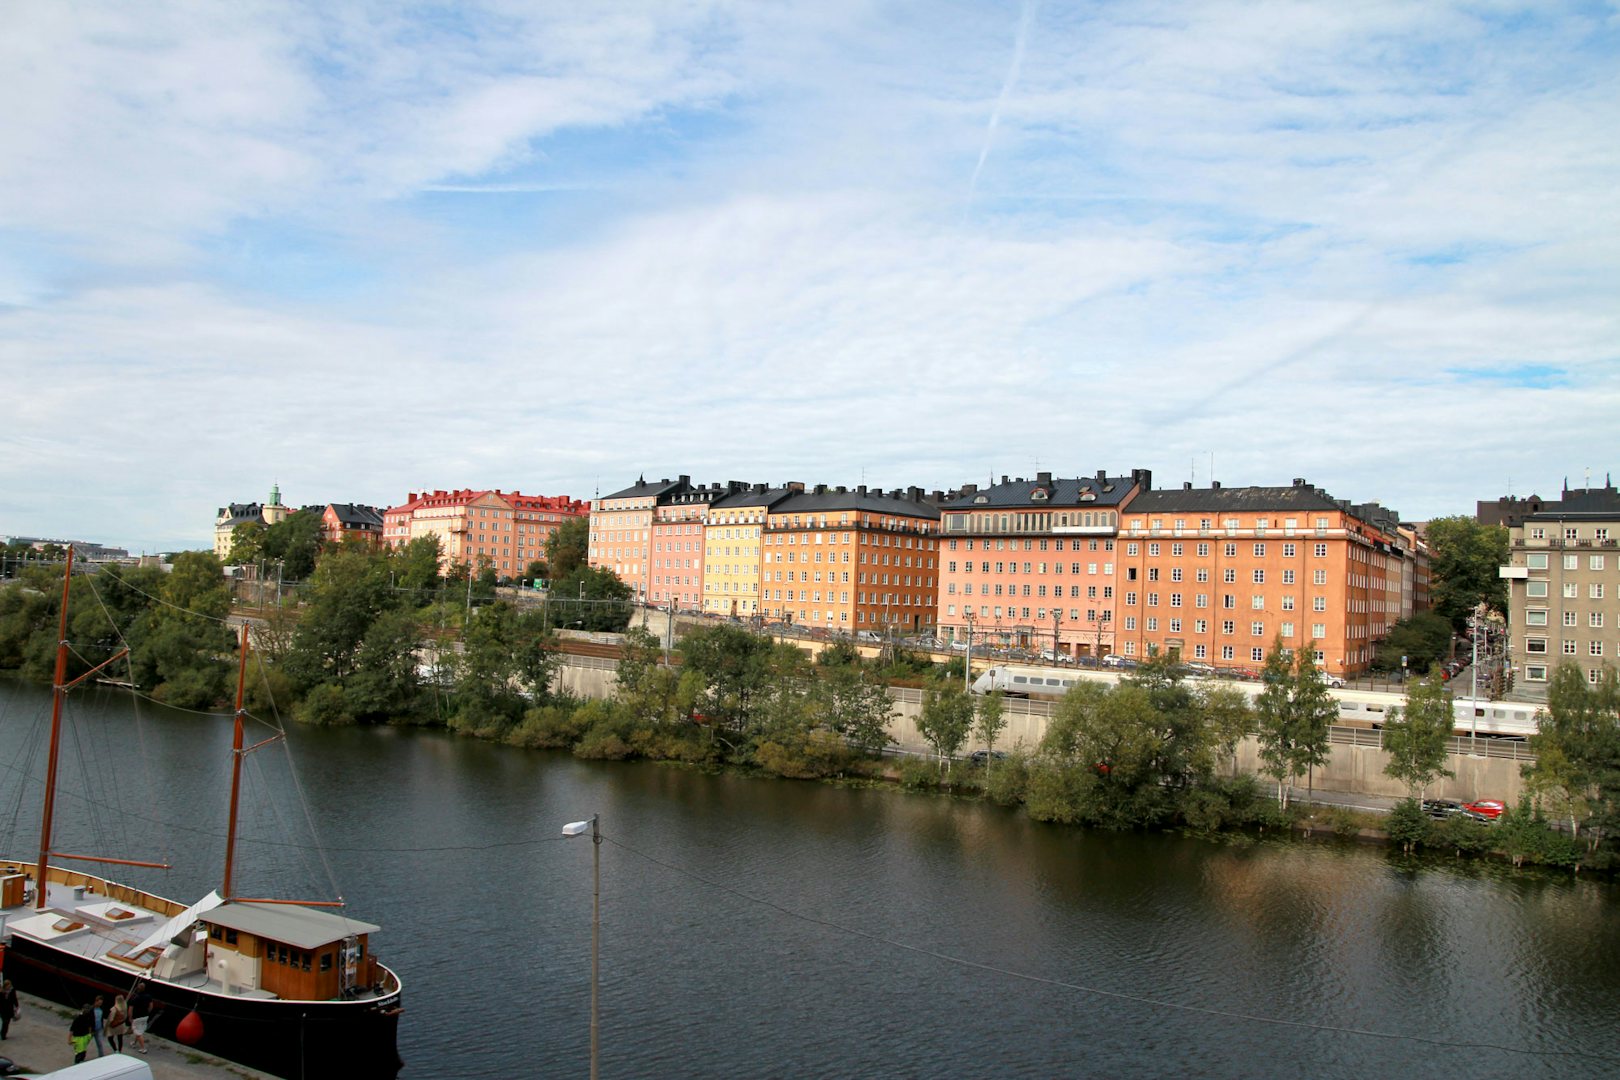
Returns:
point(361, 250)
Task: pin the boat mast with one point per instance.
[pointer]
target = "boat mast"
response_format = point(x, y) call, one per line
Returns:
point(58, 694)
point(237, 754)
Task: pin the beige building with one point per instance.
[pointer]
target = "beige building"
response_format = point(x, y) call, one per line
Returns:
point(260, 514)
point(1563, 578)
point(506, 530)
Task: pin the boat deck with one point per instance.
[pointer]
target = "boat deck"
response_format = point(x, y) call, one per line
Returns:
point(79, 919)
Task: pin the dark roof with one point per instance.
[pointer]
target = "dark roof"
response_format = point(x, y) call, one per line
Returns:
point(241, 513)
point(1186, 499)
point(642, 489)
point(821, 499)
point(358, 515)
point(758, 495)
point(1043, 490)
point(1601, 502)
point(288, 924)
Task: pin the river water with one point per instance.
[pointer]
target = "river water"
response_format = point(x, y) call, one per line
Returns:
point(759, 928)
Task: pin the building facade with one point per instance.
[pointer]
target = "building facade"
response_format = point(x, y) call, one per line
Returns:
point(733, 543)
point(1031, 562)
point(1563, 577)
point(1216, 575)
point(677, 560)
point(852, 559)
point(621, 530)
point(350, 521)
point(262, 514)
point(505, 529)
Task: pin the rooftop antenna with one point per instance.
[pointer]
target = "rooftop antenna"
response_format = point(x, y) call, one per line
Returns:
point(1212, 468)
point(1589, 478)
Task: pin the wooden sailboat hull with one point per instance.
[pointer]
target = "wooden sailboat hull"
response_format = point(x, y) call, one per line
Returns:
point(300, 1040)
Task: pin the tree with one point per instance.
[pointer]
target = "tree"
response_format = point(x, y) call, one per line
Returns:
point(991, 722)
point(589, 598)
point(347, 593)
point(1463, 558)
point(247, 544)
point(415, 567)
point(1577, 746)
point(947, 717)
point(178, 648)
point(295, 542)
point(567, 547)
point(855, 704)
point(1415, 737)
point(1294, 713)
point(1422, 639)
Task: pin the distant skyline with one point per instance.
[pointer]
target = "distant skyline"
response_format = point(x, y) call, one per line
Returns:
point(362, 250)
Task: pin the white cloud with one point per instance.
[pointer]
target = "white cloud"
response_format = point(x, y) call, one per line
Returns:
point(361, 250)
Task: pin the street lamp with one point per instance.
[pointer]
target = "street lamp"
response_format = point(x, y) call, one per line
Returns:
point(577, 828)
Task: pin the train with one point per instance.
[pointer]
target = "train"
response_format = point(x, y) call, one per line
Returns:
point(1357, 708)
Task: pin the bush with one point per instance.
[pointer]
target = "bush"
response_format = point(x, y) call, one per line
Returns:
point(1345, 823)
point(325, 704)
point(1008, 780)
point(602, 744)
point(1407, 826)
point(549, 726)
point(1059, 792)
point(919, 774)
point(1205, 810)
point(1463, 835)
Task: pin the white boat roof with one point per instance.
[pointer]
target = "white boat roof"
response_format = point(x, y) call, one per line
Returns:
point(300, 927)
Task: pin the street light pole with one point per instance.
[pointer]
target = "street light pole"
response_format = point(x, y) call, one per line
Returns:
point(577, 828)
point(967, 664)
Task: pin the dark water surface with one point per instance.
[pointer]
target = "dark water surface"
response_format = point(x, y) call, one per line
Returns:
point(757, 928)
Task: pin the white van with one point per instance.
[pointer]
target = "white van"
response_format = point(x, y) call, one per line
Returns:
point(111, 1067)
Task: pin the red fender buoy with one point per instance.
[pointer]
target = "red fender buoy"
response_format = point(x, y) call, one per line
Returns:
point(190, 1028)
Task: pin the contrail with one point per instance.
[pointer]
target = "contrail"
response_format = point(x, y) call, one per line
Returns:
point(1025, 20)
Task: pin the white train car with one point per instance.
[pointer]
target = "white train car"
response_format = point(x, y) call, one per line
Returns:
point(1357, 708)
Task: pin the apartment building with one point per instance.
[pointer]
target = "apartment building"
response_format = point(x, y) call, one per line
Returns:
point(676, 562)
point(262, 514)
point(852, 559)
point(1218, 574)
point(1031, 562)
point(621, 530)
point(1563, 578)
point(733, 543)
point(505, 529)
point(349, 521)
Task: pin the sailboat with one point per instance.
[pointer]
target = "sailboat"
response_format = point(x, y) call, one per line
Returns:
point(290, 988)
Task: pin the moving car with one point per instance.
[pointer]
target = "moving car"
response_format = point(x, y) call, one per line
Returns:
point(1444, 808)
point(1490, 808)
point(982, 757)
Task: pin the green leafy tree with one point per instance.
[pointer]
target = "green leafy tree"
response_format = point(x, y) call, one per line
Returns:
point(1422, 639)
point(415, 568)
point(1464, 557)
point(1577, 748)
point(294, 542)
point(180, 649)
point(567, 546)
point(589, 598)
point(247, 544)
point(1416, 736)
point(1294, 713)
point(1407, 824)
point(347, 593)
point(738, 670)
point(946, 719)
point(853, 703)
point(991, 722)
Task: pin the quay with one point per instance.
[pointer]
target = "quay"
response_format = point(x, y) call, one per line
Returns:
point(38, 1044)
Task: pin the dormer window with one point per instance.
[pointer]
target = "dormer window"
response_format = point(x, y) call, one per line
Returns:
point(980, 500)
point(1088, 496)
point(1039, 495)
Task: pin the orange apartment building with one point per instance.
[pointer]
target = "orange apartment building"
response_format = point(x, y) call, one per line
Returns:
point(852, 560)
point(1031, 562)
point(1218, 574)
point(733, 541)
point(506, 529)
point(349, 521)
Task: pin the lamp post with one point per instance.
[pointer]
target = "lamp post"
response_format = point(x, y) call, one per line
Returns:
point(577, 828)
point(967, 664)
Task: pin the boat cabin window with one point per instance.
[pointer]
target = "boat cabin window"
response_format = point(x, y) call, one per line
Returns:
point(326, 961)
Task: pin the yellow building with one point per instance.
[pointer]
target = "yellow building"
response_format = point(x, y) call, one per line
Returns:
point(731, 549)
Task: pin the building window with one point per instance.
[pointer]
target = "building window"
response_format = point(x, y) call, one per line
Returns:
point(1594, 562)
point(1536, 672)
point(1535, 645)
point(1537, 617)
point(1535, 588)
point(1572, 562)
point(1257, 629)
point(1226, 652)
point(1596, 619)
point(1321, 551)
point(1259, 577)
point(1257, 654)
point(1596, 590)
point(1318, 603)
point(1569, 648)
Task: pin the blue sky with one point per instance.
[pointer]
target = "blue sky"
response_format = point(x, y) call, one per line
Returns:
point(361, 249)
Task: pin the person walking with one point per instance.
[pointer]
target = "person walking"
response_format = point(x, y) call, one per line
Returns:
point(10, 1008)
point(98, 1021)
point(118, 1024)
point(140, 1013)
point(80, 1032)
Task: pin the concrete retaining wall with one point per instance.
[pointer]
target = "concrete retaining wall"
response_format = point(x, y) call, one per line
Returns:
point(1354, 769)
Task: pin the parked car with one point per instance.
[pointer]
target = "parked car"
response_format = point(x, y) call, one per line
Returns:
point(982, 757)
point(1444, 808)
point(1490, 808)
point(1333, 681)
point(871, 636)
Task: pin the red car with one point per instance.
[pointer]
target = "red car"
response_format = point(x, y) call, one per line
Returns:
point(1490, 808)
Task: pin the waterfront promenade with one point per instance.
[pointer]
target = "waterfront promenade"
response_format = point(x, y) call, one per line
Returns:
point(38, 1043)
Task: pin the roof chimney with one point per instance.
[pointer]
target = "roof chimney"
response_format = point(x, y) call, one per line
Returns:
point(1186, 485)
point(1004, 479)
point(1299, 481)
point(970, 489)
point(1043, 478)
point(1102, 475)
point(860, 489)
point(1214, 485)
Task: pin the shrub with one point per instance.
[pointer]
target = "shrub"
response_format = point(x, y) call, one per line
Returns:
point(1407, 826)
point(1463, 835)
point(325, 704)
point(1205, 809)
point(1008, 780)
point(1059, 792)
point(919, 774)
point(548, 726)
